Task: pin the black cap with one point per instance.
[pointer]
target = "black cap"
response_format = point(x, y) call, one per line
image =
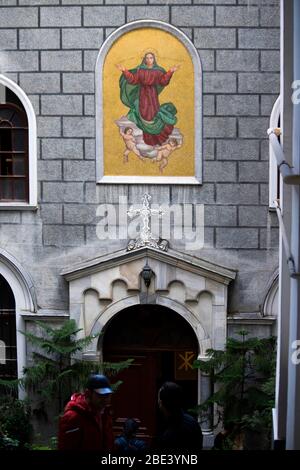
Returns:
point(99, 383)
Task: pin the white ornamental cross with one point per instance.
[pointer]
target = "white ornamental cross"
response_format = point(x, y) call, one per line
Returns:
point(146, 237)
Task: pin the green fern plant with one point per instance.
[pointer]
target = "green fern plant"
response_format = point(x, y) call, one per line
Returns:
point(56, 371)
point(245, 377)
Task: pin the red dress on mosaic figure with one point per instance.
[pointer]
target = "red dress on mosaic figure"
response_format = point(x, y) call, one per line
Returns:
point(148, 101)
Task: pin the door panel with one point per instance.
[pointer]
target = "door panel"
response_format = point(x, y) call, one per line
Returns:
point(136, 396)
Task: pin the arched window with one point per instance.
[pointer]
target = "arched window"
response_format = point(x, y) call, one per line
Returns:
point(13, 153)
point(18, 185)
point(274, 173)
point(8, 340)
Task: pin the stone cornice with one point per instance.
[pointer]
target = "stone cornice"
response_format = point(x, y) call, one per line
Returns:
point(174, 258)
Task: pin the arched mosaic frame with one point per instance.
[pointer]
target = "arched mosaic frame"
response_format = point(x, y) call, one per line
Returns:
point(198, 120)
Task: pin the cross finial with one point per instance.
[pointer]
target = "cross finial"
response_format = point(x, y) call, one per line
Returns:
point(146, 237)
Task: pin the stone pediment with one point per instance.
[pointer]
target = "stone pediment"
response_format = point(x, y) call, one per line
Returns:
point(192, 287)
point(185, 262)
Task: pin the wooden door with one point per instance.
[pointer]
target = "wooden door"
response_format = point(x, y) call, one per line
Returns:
point(136, 396)
point(152, 335)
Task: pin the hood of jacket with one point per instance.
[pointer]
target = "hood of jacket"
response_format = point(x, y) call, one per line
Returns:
point(78, 403)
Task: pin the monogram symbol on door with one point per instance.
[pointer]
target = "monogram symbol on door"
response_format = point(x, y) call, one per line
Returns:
point(186, 363)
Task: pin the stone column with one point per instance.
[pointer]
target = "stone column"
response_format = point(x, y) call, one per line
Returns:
point(205, 391)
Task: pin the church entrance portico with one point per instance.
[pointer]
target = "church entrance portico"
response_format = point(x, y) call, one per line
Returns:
point(173, 320)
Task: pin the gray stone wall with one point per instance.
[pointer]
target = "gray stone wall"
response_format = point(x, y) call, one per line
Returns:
point(49, 47)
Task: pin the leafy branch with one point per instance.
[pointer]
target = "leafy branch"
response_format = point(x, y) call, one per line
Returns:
point(56, 370)
point(244, 374)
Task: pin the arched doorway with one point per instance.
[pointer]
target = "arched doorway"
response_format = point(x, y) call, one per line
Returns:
point(8, 337)
point(163, 346)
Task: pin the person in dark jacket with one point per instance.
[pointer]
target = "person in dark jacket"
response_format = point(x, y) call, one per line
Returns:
point(87, 423)
point(128, 443)
point(182, 431)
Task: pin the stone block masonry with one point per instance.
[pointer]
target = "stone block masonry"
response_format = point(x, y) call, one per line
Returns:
point(50, 48)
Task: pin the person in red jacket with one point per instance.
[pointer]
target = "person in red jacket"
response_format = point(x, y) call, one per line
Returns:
point(87, 423)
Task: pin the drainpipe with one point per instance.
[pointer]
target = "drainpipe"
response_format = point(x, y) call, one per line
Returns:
point(289, 175)
point(288, 253)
